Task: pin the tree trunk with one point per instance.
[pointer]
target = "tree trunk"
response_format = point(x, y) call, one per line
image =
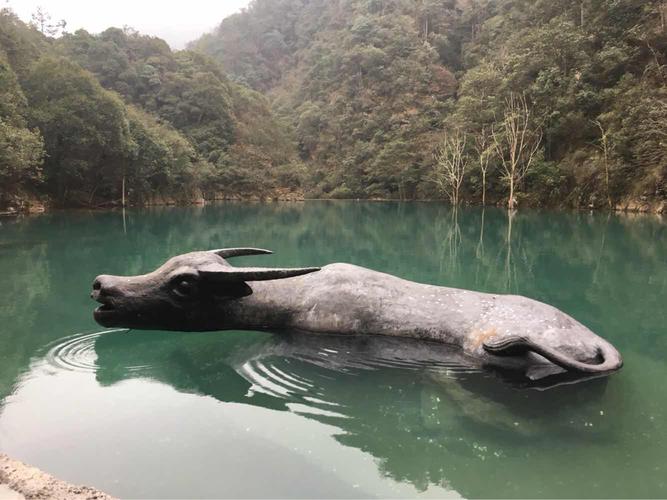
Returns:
point(604, 147)
point(483, 188)
point(92, 195)
point(123, 193)
point(510, 201)
point(606, 175)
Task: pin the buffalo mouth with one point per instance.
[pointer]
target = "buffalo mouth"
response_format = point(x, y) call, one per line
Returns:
point(105, 308)
point(111, 314)
point(108, 314)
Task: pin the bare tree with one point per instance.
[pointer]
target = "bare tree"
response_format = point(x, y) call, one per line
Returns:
point(516, 142)
point(484, 149)
point(605, 146)
point(451, 164)
point(41, 20)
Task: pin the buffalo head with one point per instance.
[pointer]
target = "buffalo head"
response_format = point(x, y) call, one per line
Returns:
point(185, 293)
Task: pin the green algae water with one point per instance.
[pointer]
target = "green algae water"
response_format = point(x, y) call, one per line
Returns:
point(249, 414)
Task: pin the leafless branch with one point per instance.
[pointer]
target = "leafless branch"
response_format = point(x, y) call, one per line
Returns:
point(451, 164)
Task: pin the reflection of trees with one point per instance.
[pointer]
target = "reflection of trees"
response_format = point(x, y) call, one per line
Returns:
point(479, 250)
point(608, 271)
point(448, 231)
point(25, 281)
point(510, 268)
point(600, 251)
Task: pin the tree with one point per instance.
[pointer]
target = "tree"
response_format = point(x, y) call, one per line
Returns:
point(21, 45)
point(85, 130)
point(451, 164)
point(187, 89)
point(605, 146)
point(484, 149)
point(362, 89)
point(650, 148)
point(161, 160)
point(21, 156)
point(41, 20)
point(516, 142)
point(21, 149)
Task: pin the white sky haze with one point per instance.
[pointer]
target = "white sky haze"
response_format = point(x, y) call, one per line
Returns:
point(178, 22)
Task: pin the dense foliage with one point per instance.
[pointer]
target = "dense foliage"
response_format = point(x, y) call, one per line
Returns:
point(85, 117)
point(372, 87)
point(21, 149)
point(553, 102)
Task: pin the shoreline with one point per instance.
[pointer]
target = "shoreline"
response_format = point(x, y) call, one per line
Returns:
point(20, 481)
point(628, 206)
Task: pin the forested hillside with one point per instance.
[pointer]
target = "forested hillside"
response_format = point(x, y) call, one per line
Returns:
point(82, 116)
point(541, 102)
point(564, 102)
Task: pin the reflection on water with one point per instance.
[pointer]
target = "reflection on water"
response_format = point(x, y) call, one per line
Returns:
point(76, 352)
point(292, 415)
point(308, 369)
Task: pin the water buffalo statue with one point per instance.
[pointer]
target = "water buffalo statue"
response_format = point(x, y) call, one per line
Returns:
point(201, 291)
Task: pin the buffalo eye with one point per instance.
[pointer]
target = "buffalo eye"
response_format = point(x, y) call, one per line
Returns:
point(184, 287)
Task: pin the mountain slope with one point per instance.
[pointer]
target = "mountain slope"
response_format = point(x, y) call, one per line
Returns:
point(371, 87)
point(84, 115)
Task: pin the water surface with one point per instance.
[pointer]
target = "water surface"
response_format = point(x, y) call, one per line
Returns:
point(249, 414)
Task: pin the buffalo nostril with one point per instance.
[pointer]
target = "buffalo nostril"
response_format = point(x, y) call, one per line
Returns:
point(106, 286)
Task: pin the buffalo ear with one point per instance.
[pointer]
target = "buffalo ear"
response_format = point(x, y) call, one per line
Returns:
point(231, 290)
point(228, 281)
point(228, 274)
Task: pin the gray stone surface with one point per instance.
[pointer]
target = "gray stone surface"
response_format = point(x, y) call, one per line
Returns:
point(202, 291)
point(21, 481)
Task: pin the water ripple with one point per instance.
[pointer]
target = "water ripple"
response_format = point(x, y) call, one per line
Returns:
point(302, 371)
point(76, 352)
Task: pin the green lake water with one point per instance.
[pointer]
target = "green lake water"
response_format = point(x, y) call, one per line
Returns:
point(249, 414)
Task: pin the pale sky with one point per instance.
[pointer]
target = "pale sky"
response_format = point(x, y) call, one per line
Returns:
point(178, 22)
